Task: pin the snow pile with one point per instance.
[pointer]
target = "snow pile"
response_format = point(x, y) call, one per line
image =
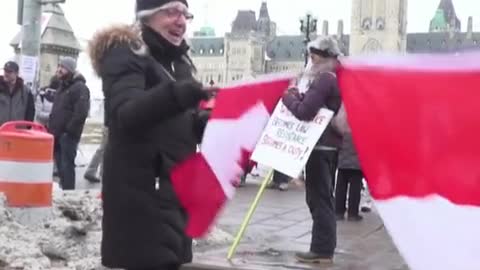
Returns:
point(70, 240)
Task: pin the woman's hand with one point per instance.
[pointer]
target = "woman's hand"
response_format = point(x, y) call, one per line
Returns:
point(292, 91)
point(211, 91)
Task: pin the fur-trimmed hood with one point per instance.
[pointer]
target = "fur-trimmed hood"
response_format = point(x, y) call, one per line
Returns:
point(111, 37)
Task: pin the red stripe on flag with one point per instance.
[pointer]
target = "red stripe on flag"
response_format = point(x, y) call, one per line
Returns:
point(416, 132)
point(199, 192)
point(268, 92)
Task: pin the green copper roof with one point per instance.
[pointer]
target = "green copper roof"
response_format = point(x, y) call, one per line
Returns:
point(438, 22)
point(205, 31)
point(209, 31)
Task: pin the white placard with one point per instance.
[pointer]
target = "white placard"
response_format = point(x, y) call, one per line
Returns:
point(286, 142)
point(28, 68)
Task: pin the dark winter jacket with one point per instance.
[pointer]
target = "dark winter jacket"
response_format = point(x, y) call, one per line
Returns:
point(323, 91)
point(70, 108)
point(347, 156)
point(150, 103)
point(17, 105)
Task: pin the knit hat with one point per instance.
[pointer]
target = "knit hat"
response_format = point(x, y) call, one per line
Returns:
point(11, 66)
point(325, 46)
point(145, 8)
point(68, 63)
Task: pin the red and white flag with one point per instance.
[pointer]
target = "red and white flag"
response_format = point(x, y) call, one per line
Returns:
point(204, 182)
point(416, 126)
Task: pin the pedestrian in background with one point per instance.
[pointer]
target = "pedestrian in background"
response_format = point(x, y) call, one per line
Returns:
point(321, 91)
point(16, 99)
point(67, 119)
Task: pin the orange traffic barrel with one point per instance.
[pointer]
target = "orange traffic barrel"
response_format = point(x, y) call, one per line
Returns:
point(26, 164)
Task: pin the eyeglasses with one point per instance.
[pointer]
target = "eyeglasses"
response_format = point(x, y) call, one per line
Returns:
point(176, 13)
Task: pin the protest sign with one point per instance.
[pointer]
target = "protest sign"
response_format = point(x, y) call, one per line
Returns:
point(286, 142)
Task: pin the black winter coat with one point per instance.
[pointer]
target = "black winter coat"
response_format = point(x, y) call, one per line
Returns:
point(150, 103)
point(70, 108)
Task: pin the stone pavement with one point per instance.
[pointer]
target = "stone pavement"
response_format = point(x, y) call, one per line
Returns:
point(281, 226)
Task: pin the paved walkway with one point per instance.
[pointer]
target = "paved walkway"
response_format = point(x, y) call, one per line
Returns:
point(280, 226)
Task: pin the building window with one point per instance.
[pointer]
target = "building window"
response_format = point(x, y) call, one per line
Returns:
point(367, 24)
point(221, 51)
point(201, 51)
point(380, 24)
point(211, 51)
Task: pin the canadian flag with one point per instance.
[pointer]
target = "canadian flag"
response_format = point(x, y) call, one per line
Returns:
point(205, 181)
point(416, 126)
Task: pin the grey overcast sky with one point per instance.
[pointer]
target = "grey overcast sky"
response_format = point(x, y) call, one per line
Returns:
point(86, 16)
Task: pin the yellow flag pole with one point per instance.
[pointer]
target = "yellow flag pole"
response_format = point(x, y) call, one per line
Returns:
point(249, 215)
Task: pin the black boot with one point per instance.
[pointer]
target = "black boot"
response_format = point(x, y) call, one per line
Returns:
point(91, 178)
point(312, 257)
point(355, 218)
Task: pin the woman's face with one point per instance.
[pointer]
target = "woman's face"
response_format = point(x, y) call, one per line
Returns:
point(317, 59)
point(171, 22)
point(327, 63)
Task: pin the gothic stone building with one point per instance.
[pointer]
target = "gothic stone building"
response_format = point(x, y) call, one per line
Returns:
point(252, 46)
point(57, 40)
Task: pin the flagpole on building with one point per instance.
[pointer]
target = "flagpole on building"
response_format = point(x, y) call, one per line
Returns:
point(249, 215)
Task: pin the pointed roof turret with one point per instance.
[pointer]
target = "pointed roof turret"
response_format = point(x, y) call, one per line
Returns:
point(244, 23)
point(264, 22)
point(445, 18)
point(55, 30)
point(264, 12)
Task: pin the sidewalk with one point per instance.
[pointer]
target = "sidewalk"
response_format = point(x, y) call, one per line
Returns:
point(282, 225)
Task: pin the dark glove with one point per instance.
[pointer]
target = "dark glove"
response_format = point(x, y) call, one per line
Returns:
point(189, 93)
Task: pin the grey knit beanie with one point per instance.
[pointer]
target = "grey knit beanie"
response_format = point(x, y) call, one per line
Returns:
point(68, 63)
point(326, 45)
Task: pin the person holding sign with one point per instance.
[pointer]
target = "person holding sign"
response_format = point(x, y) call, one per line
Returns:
point(318, 89)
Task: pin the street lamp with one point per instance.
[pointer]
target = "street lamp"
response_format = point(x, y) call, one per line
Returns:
point(308, 25)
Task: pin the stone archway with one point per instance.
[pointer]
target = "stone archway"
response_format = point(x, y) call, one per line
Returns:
point(372, 46)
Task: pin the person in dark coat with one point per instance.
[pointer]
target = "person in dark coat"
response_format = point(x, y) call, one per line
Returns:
point(321, 91)
point(350, 175)
point(16, 99)
point(152, 109)
point(69, 112)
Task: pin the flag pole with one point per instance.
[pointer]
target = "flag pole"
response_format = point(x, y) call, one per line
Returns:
point(249, 215)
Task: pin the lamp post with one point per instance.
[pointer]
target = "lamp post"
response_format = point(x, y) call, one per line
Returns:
point(308, 25)
point(30, 18)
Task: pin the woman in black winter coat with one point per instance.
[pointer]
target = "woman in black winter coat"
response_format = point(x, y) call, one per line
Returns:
point(151, 102)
